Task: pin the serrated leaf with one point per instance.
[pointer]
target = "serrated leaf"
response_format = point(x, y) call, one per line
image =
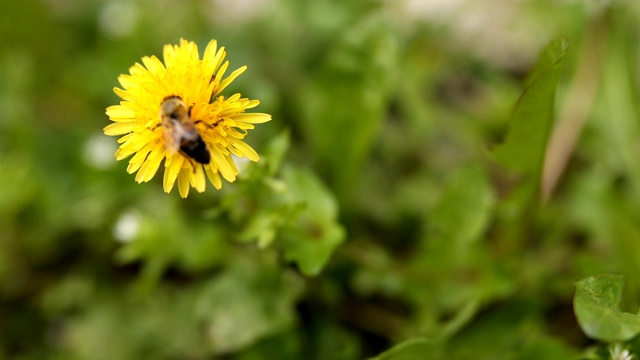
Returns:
point(597, 308)
point(532, 118)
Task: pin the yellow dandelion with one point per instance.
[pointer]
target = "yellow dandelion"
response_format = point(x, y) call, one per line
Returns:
point(172, 111)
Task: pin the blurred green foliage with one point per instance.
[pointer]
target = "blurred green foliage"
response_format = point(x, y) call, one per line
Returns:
point(437, 177)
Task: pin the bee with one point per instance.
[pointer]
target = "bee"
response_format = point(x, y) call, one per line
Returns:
point(180, 133)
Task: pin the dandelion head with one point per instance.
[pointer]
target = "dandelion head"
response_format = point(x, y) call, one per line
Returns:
point(172, 112)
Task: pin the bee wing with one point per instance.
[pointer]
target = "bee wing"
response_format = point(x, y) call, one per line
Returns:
point(171, 137)
point(171, 142)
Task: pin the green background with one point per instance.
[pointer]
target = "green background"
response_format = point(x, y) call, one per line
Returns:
point(399, 196)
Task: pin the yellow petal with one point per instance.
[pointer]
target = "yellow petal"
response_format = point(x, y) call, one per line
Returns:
point(127, 81)
point(134, 165)
point(190, 49)
point(224, 168)
point(120, 113)
point(251, 104)
point(253, 118)
point(169, 55)
point(233, 132)
point(138, 71)
point(173, 164)
point(210, 50)
point(214, 177)
point(142, 153)
point(122, 154)
point(233, 98)
point(119, 128)
point(183, 183)
point(246, 150)
point(127, 95)
point(197, 179)
point(153, 64)
point(219, 76)
point(224, 83)
point(124, 138)
point(212, 58)
point(150, 165)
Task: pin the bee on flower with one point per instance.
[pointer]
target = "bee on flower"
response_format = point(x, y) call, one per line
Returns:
point(173, 111)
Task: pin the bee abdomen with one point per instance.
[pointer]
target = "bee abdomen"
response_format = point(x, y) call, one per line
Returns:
point(197, 150)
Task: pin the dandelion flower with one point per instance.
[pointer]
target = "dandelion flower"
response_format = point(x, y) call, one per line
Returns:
point(173, 111)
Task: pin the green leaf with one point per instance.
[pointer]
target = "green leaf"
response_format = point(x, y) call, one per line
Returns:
point(547, 348)
point(284, 346)
point(168, 238)
point(262, 228)
point(597, 308)
point(312, 238)
point(548, 59)
point(419, 348)
point(464, 209)
point(275, 152)
point(345, 103)
point(311, 249)
point(533, 115)
point(248, 302)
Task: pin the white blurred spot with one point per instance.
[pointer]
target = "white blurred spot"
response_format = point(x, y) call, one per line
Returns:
point(117, 19)
point(99, 150)
point(618, 352)
point(127, 226)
